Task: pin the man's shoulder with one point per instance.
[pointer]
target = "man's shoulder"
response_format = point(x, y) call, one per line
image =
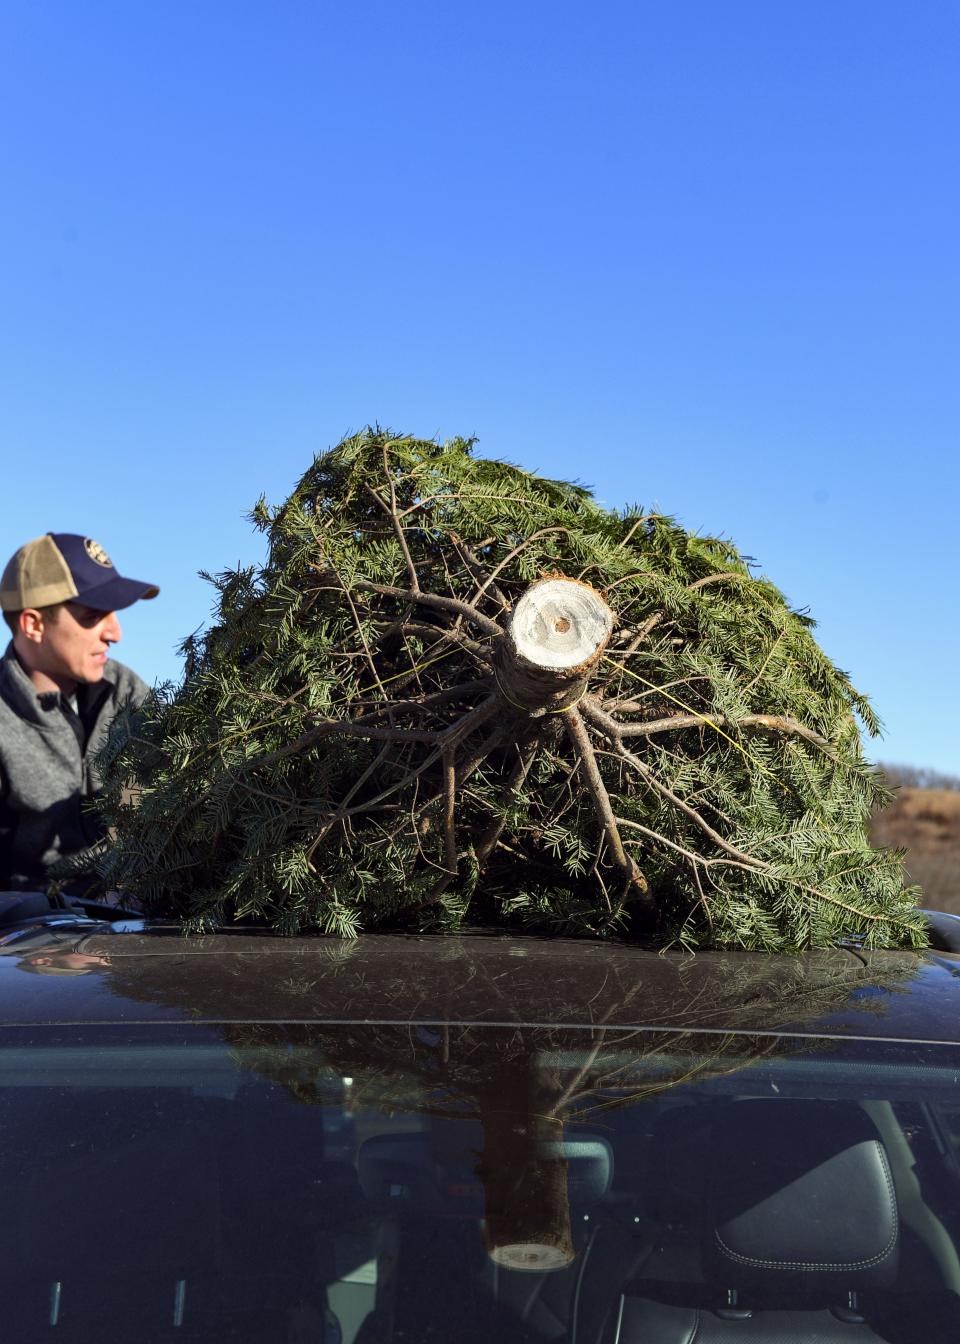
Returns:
point(17, 696)
point(128, 687)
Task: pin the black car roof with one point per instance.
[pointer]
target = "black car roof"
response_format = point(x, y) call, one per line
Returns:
point(94, 975)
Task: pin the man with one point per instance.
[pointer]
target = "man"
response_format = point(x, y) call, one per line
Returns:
point(59, 693)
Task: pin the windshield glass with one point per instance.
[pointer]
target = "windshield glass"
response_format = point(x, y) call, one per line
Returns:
point(385, 1183)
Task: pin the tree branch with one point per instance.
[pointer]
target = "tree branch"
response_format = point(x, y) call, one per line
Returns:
point(474, 762)
point(651, 621)
point(454, 734)
point(775, 722)
point(512, 555)
point(363, 639)
point(478, 570)
point(449, 810)
point(451, 786)
point(666, 792)
point(727, 577)
point(427, 703)
point(480, 652)
point(612, 730)
point(658, 838)
point(335, 727)
point(345, 801)
point(340, 728)
point(600, 799)
point(638, 522)
point(753, 866)
point(639, 703)
point(488, 841)
point(453, 605)
point(391, 511)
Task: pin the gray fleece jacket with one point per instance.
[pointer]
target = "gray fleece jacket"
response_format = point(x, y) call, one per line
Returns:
point(46, 767)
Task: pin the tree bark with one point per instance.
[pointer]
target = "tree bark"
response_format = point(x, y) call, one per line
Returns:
point(555, 636)
point(524, 1174)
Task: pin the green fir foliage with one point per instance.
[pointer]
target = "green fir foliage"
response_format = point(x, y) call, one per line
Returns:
point(338, 756)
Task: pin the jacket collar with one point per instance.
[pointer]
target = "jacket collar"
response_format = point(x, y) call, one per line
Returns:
point(21, 695)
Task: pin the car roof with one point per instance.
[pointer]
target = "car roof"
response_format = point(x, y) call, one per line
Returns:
point(95, 974)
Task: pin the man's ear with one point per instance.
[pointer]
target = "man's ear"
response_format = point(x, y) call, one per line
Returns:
point(31, 625)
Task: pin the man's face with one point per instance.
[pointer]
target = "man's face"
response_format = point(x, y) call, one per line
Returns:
point(65, 963)
point(75, 643)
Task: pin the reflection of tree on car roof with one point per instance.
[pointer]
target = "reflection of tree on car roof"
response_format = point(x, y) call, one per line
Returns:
point(386, 1129)
point(520, 1083)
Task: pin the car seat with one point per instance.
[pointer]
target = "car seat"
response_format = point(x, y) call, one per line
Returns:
point(796, 1236)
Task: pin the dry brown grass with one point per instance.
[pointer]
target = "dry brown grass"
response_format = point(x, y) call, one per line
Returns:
point(926, 823)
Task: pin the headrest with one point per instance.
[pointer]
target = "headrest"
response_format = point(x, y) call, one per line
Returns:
point(801, 1189)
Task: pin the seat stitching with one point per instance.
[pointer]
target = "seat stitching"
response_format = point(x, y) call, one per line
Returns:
point(826, 1265)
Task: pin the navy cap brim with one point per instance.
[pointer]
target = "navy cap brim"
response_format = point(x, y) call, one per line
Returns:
point(116, 594)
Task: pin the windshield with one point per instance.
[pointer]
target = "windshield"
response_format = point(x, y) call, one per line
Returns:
point(412, 1183)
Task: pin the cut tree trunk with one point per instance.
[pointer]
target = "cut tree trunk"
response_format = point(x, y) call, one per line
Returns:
point(555, 635)
point(524, 1175)
point(554, 638)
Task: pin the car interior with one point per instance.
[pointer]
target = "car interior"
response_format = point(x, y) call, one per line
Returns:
point(193, 1203)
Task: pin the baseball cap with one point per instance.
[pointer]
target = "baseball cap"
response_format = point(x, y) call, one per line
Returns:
point(65, 567)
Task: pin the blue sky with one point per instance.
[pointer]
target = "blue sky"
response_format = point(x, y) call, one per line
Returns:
point(702, 256)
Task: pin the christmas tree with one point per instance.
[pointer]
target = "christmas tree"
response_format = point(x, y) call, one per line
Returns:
point(456, 692)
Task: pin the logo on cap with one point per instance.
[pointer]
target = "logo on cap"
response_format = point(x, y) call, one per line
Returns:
point(97, 553)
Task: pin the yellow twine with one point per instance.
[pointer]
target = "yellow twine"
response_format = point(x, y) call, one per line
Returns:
point(572, 705)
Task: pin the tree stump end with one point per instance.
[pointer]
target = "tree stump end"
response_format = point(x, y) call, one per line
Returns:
point(537, 1257)
point(561, 624)
point(556, 634)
